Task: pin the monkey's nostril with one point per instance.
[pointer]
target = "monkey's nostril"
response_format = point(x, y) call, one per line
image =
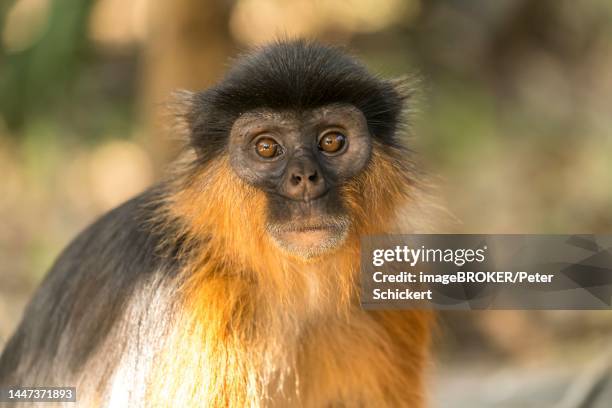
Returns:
point(313, 177)
point(295, 179)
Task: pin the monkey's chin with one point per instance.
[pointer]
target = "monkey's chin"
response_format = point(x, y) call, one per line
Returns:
point(309, 240)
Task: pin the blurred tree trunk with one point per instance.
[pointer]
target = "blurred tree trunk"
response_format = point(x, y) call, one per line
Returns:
point(187, 48)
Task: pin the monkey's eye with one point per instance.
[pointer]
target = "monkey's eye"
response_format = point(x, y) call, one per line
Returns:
point(332, 142)
point(267, 148)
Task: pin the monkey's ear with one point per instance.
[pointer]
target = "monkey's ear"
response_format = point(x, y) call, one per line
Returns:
point(408, 92)
point(182, 108)
point(197, 124)
point(406, 87)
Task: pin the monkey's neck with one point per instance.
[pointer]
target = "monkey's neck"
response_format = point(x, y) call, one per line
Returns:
point(227, 250)
point(273, 285)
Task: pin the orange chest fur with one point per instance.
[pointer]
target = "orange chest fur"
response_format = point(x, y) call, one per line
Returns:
point(235, 345)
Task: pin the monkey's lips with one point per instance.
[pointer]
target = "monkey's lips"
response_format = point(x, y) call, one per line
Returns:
point(308, 236)
point(309, 239)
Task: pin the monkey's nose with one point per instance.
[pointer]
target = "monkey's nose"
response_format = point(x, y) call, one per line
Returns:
point(305, 182)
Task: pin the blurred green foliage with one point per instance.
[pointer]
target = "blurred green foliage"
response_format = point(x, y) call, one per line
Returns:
point(40, 80)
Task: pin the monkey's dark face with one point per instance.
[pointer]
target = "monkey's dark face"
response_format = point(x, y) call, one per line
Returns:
point(300, 160)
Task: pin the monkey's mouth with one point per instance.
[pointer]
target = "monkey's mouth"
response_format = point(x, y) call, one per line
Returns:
point(308, 239)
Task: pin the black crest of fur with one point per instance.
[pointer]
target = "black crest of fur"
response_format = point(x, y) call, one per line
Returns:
point(294, 75)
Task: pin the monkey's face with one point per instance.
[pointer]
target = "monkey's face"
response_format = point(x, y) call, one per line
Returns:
point(301, 160)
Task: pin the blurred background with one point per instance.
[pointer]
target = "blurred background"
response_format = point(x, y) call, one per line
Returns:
point(515, 118)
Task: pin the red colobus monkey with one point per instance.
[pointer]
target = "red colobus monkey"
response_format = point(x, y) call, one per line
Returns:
point(234, 282)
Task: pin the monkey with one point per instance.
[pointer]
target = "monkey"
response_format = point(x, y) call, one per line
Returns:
point(234, 281)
